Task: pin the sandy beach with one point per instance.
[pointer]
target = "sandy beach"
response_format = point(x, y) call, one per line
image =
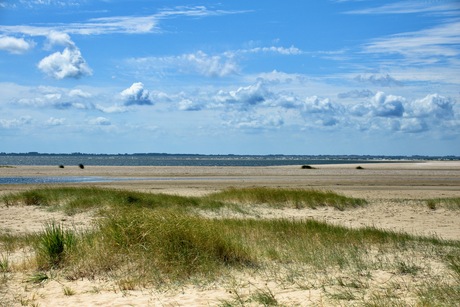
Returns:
point(395, 192)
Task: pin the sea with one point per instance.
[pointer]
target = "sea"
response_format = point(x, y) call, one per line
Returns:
point(10, 160)
point(196, 160)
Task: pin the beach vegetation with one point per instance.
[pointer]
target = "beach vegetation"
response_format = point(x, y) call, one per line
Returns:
point(452, 203)
point(68, 291)
point(4, 264)
point(287, 198)
point(144, 239)
point(54, 243)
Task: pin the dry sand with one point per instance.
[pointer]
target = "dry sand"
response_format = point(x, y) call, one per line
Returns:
point(395, 192)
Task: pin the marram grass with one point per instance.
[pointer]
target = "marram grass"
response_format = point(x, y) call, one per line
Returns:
point(54, 244)
point(143, 239)
point(279, 198)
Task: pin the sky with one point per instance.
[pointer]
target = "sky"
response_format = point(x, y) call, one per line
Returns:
point(326, 77)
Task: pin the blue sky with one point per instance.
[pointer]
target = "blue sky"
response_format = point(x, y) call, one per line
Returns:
point(230, 77)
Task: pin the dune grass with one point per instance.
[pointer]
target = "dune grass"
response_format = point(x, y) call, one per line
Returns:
point(448, 203)
point(295, 198)
point(53, 245)
point(143, 240)
point(73, 200)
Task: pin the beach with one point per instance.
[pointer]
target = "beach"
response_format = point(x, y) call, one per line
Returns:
point(395, 193)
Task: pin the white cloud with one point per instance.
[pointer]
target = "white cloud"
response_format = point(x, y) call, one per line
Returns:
point(316, 105)
point(244, 97)
point(16, 122)
point(66, 64)
point(356, 94)
point(380, 105)
point(136, 95)
point(118, 24)
point(424, 46)
point(273, 49)
point(191, 63)
point(255, 122)
point(433, 105)
point(58, 38)
point(217, 65)
point(410, 7)
point(111, 109)
point(414, 125)
point(387, 105)
point(15, 45)
point(322, 111)
point(380, 80)
point(189, 105)
point(59, 98)
point(79, 93)
point(211, 66)
point(99, 121)
point(52, 121)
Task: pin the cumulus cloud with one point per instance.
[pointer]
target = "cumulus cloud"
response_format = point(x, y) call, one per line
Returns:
point(323, 111)
point(66, 64)
point(387, 105)
point(189, 105)
point(15, 45)
point(245, 97)
point(316, 105)
point(414, 125)
point(433, 105)
point(136, 95)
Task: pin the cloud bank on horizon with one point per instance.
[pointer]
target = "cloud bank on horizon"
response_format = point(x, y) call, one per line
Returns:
point(292, 77)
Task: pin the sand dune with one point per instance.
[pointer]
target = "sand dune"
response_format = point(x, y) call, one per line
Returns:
point(395, 191)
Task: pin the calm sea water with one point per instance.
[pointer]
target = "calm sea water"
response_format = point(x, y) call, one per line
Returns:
point(182, 160)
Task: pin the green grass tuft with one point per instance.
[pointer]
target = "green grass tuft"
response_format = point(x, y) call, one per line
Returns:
point(53, 245)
